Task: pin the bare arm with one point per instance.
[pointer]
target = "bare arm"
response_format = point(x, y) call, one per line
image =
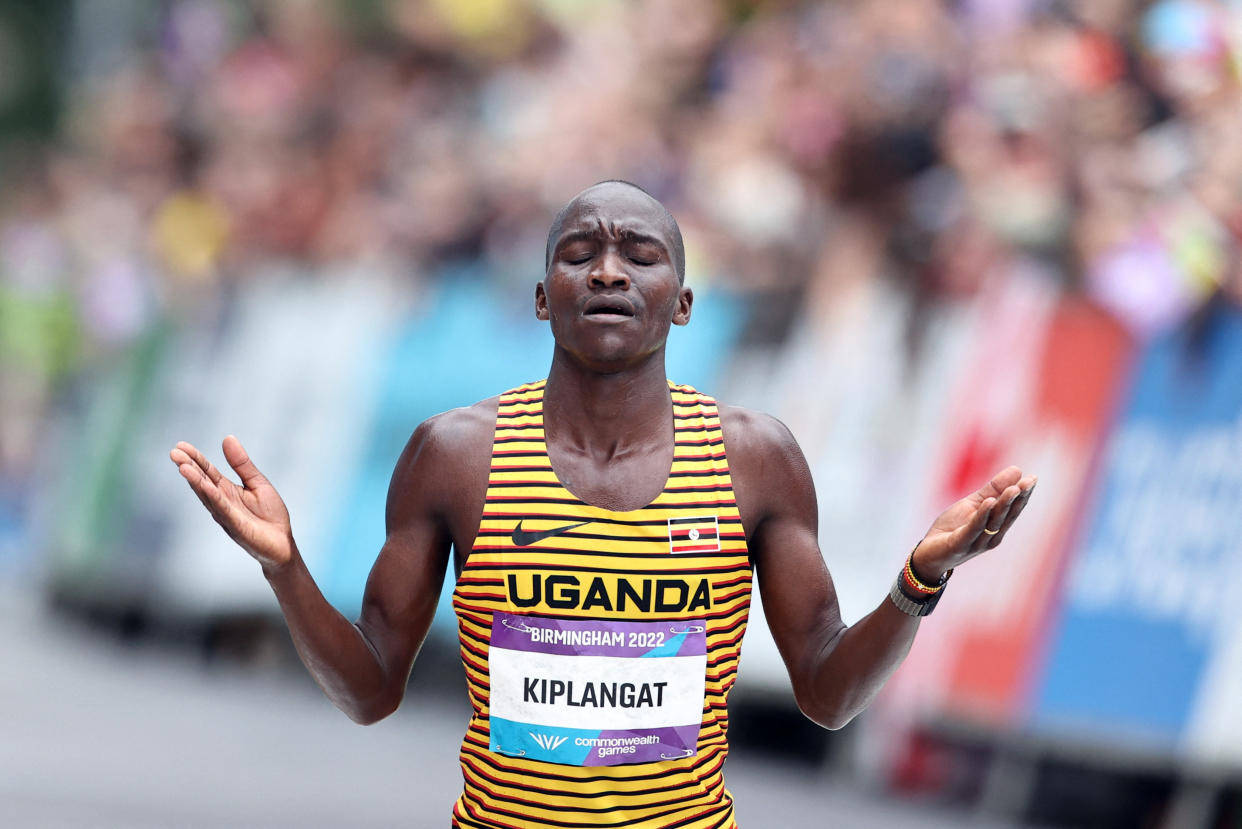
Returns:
point(363, 667)
point(836, 670)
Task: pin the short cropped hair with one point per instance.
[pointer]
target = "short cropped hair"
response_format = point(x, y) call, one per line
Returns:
point(679, 248)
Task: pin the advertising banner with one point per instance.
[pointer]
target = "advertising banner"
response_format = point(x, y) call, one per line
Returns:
point(1039, 391)
point(1148, 644)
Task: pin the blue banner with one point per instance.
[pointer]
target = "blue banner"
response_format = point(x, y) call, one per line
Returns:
point(1148, 597)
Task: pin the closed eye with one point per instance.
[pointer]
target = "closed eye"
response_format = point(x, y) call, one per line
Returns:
point(642, 251)
point(577, 254)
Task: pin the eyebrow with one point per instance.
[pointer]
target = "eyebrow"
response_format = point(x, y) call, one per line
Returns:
point(626, 235)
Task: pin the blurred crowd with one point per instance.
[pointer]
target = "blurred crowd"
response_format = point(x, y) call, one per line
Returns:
point(805, 147)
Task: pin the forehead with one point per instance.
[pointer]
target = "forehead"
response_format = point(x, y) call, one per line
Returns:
point(616, 208)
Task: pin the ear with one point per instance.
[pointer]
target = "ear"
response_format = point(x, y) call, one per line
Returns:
point(541, 303)
point(685, 301)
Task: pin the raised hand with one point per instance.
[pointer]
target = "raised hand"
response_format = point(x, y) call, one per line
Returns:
point(253, 514)
point(976, 523)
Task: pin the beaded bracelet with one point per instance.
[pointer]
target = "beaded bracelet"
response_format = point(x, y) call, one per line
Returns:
point(911, 595)
point(915, 584)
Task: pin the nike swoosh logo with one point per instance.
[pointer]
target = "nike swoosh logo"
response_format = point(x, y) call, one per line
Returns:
point(524, 538)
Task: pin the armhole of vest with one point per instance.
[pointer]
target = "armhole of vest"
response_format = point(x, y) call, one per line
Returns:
point(711, 408)
point(506, 398)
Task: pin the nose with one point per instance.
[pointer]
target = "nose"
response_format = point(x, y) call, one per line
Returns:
point(609, 273)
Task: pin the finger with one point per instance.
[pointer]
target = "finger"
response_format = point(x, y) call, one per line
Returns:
point(236, 455)
point(1025, 485)
point(198, 458)
point(198, 485)
point(212, 496)
point(207, 490)
point(1015, 511)
point(1001, 481)
point(1024, 489)
point(998, 520)
point(968, 535)
point(180, 457)
point(1003, 502)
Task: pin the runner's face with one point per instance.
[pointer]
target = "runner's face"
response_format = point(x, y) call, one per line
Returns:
point(611, 290)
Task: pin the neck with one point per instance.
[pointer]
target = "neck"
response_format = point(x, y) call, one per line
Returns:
point(607, 413)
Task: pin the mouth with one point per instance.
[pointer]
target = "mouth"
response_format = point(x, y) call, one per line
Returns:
point(607, 308)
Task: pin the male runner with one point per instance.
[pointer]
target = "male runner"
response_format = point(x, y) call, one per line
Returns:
point(605, 523)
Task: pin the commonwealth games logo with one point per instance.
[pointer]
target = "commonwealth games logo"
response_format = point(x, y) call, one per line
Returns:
point(546, 741)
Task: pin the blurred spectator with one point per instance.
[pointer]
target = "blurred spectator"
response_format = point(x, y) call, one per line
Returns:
point(806, 147)
point(958, 218)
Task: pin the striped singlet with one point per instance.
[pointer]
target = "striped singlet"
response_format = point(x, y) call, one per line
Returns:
point(600, 646)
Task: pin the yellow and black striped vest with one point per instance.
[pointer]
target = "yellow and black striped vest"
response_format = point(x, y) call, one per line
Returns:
point(600, 646)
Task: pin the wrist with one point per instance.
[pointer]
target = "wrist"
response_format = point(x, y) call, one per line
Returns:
point(924, 571)
point(913, 594)
point(276, 570)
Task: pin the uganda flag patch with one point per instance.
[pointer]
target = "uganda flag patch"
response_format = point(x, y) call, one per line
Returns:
point(700, 534)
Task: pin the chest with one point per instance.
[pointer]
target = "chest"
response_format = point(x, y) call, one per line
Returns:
point(620, 482)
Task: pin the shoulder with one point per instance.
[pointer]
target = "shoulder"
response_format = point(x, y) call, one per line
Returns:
point(463, 431)
point(446, 459)
point(751, 436)
point(769, 472)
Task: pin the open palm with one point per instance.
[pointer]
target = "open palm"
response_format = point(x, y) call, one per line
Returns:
point(253, 514)
point(976, 523)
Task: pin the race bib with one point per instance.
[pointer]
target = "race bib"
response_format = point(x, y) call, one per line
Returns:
point(595, 693)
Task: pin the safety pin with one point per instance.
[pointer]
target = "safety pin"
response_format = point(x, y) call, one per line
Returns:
point(521, 753)
point(691, 629)
point(686, 752)
point(519, 627)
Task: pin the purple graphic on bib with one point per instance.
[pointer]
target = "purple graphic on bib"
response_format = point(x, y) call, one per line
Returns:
point(611, 748)
point(590, 637)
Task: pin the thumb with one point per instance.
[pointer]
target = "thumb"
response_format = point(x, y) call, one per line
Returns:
point(236, 455)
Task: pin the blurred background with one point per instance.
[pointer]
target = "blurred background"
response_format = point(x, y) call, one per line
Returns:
point(933, 236)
